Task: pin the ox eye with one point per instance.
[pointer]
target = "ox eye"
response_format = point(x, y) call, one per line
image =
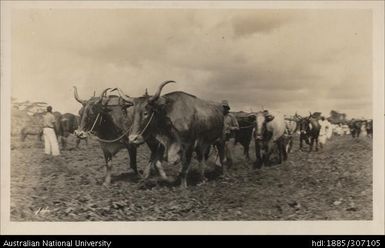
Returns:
point(145, 114)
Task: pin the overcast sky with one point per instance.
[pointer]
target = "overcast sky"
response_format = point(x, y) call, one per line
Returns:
point(286, 60)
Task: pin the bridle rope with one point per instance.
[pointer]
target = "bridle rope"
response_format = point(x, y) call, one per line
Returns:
point(96, 120)
point(105, 140)
point(148, 123)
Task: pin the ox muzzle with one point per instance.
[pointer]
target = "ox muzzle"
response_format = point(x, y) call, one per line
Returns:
point(81, 134)
point(136, 139)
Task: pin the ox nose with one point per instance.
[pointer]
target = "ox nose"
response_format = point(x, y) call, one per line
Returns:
point(80, 134)
point(135, 139)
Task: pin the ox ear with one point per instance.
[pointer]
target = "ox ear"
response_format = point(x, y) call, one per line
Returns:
point(161, 101)
point(101, 108)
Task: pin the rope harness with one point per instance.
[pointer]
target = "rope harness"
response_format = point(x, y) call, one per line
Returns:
point(122, 135)
point(252, 125)
point(104, 140)
point(148, 123)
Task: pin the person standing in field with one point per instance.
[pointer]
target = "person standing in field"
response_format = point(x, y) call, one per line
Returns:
point(51, 145)
point(323, 133)
point(230, 126)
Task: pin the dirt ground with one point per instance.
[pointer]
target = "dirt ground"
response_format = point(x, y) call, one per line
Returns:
point(333, 184)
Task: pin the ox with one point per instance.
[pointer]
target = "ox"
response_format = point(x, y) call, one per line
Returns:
point(31, 130)
point(369, 128)
point(267, 134)
point(244, 134)
point(109, 119)
point(68, 125)
point(309, 131)
point(182, 123)
point(355, 128)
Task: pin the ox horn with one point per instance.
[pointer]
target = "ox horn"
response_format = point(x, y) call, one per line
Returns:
point(104, 94)
point(159, 90)
point(124, 96)
point(77, 96)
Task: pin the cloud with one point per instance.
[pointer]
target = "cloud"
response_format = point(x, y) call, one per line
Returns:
point(264, 21)
point(286, 59)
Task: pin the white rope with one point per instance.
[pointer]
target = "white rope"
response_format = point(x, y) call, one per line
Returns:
point(148, 123)
point(97, 117)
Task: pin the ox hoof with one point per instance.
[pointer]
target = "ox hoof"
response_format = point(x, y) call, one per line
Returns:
point(203, 181)
point(106, 185)
point(183, 185)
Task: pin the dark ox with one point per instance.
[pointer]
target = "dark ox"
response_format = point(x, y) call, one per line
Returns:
point(35, 127)
point(31, 130)
point(369, 128)
point(244, 134)
point(309, 132)
point(68, 125)
point(109, 119)
point(182, 123)
point(268, 135)
point(355, 128)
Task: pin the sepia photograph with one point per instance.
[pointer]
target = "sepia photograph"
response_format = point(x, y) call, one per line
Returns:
point(192, 117)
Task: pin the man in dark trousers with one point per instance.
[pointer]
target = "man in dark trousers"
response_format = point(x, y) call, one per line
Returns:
point(230, 126)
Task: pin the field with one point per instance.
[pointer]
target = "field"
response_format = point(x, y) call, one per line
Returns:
point(333, 184)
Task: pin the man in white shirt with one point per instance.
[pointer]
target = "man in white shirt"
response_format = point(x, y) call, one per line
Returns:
point(323, 133)
point(51, 145)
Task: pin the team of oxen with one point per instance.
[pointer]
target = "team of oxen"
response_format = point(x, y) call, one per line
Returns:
point(176, 125)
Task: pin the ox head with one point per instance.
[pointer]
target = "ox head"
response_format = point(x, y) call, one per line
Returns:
point(304, 125)
point(89, 113)
point(260, 126)
point(147, 111)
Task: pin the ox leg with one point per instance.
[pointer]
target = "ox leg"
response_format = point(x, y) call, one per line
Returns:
point(269, 148)
point(280, 152)
point(246, 151)
point(202, 162)
point(290, 145)
point(187, 154)
point(77, 142)
point(311, 144)
point(158, 158)
point(161, 171)
point(282, 148)
point(221, 155)
point(300, 143)
point(258, 151)
point(147, 170)
point(157, 152)
point(63, 142)
point(108, 158)
point(23, 136)
point(132, 154)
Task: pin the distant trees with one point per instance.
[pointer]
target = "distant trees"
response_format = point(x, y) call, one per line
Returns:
point(26, 114)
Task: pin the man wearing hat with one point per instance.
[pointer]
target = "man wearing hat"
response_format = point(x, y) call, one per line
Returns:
point(51, 146)
point(230, 126)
